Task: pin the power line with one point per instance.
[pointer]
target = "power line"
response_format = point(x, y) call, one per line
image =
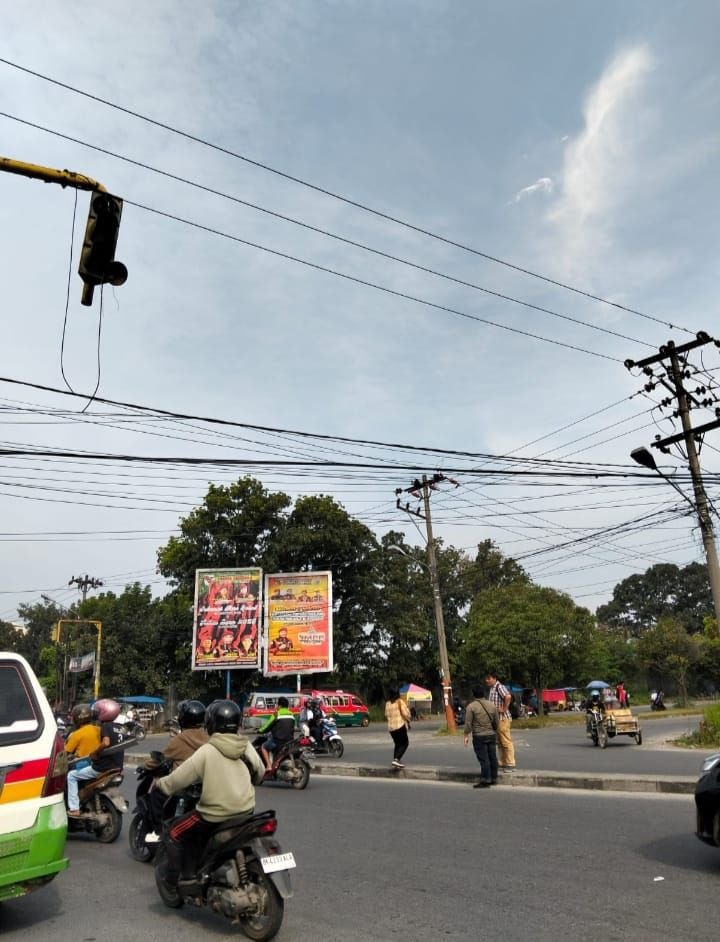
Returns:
point(326, 192)
point(324, 232)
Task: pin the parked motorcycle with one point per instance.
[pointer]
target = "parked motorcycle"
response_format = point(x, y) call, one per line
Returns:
point(241, 873)
point(331, 742)
point(146, 824)
point(289, 763)
point(101, 807)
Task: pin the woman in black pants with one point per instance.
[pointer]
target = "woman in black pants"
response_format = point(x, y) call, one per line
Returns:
point(398, 720)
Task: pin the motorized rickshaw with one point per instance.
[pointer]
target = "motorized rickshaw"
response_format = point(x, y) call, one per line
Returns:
point(611, 720)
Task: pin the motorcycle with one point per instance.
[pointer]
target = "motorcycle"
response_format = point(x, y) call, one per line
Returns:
point(146, 823)
point(130, 726)
point(331, 742)
point(241, 873)
point(459, 715)
point(290, 763)
point(596, 728)
point(101, 807)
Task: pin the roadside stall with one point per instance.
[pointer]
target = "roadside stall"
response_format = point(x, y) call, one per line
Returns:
point(418, 699)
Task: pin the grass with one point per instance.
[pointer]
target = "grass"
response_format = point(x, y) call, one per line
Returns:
point(708, 731)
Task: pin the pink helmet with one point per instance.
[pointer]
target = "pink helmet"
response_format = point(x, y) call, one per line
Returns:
point(106, 710)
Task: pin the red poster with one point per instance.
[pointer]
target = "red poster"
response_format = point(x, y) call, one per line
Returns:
point(228, 604)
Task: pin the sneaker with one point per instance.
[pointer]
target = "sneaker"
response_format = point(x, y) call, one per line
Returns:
point(481, 785)
point(494, 782)
point(397, 764)
point(152, 837)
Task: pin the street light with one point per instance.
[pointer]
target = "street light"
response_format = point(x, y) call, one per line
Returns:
point(440, 625)
point(643, 457)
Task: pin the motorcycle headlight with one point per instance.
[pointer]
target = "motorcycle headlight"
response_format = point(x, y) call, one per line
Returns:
point(711, 762)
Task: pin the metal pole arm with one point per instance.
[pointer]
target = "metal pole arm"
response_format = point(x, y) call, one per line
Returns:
point(49, 175)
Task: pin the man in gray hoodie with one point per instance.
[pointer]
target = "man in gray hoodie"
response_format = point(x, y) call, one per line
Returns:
point(227, 766)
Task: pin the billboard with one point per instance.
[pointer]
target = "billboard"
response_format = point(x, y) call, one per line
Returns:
point(298, 619)
point(226, 629)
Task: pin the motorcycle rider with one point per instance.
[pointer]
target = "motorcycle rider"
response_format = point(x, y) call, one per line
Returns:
point(105, 711)
point(192, 735)
point(594, 704)
point(85, 737)
point(227, 766)
point(280, 729)
point(313, 716)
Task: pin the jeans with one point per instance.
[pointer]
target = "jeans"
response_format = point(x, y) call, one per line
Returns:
point(486, 753)
point(74, 776)
point(401, 741)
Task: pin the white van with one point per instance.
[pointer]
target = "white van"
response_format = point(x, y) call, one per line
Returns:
point(33, 767)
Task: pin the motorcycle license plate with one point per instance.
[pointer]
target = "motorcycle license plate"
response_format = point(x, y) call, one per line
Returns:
point(277, 862)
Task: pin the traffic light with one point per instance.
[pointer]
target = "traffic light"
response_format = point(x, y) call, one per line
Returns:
point(97, 259)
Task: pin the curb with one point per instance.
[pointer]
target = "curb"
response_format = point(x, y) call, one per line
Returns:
point(611, 782)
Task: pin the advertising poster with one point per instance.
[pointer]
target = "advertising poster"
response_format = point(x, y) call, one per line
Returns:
point(298, 609)
point(226, 630)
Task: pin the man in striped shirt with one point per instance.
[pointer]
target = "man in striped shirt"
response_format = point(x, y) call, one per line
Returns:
point(500, 696)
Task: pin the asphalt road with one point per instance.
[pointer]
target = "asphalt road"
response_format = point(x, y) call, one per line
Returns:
point(383, 860)
point(553, 748)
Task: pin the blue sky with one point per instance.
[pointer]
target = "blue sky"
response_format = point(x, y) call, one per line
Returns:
point(579, 141)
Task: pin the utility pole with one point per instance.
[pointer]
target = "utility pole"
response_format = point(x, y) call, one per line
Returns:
point(98, 265)
point(689, 436)
point(84, 583)
point(417, 489)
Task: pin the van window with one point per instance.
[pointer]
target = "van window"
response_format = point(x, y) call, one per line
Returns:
point(20, 716)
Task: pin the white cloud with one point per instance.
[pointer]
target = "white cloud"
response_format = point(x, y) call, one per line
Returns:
point(602, 160)
point(544, 185)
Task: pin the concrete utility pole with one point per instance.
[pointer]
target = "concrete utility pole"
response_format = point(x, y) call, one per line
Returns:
point(84, 583)
point(688, 436)
point(416, 489)
point(98, 265)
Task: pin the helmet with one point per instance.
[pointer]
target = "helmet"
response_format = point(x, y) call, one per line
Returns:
point(81, 714)
point(222, 716)
point(106, 710)
point(595, 694)
point(191, 714)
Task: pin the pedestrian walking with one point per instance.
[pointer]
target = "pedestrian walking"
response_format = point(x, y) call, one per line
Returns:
point(398, 720)
point(481, 721)
point(501, 698)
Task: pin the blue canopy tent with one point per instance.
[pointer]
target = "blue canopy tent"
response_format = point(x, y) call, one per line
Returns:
point(597, 685)
point(143, 699)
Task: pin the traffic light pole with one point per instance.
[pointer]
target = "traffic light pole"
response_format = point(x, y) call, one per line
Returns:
point(78, 181)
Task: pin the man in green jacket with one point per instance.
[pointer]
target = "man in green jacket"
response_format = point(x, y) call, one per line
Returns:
point(280, 729)
point(227, 766)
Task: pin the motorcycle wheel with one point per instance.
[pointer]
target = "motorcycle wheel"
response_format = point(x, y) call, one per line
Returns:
point(594, 737)
point(267, 924)
point(336, 747)
point(602, 738)
point(136, 835)
point(111, 831)
point(304, 768)
point(168, 894)
point(139, 732)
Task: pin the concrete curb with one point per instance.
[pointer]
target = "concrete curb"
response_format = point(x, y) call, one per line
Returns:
point(610, 782)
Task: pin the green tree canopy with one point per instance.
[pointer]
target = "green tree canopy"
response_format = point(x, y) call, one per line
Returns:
point(669, 650)
point(665, 589)
point(529, 634)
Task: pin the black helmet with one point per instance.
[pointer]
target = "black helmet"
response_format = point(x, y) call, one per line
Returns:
point(81, 714)
point(191, 714)
point(222, 716)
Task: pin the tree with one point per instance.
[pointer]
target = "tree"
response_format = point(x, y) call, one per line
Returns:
point(665, 589)
point(9, 637)
point(669, 649)
point(528, 633)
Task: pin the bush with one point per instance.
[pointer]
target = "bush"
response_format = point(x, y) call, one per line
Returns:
point(708, 732)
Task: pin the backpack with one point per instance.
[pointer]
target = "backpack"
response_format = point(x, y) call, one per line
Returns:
point(513, 708)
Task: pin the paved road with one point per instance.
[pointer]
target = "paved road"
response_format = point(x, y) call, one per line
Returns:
point(386, 860)
point(553, 748)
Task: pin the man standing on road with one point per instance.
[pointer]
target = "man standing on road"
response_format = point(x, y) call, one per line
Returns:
point(481, 719)
point(500, 697)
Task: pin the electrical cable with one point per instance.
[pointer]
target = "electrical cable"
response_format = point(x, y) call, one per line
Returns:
point(67, 297)
point(324, 232)
point(326, 192)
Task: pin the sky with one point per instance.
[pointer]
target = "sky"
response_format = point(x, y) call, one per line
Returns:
point(343, 219)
